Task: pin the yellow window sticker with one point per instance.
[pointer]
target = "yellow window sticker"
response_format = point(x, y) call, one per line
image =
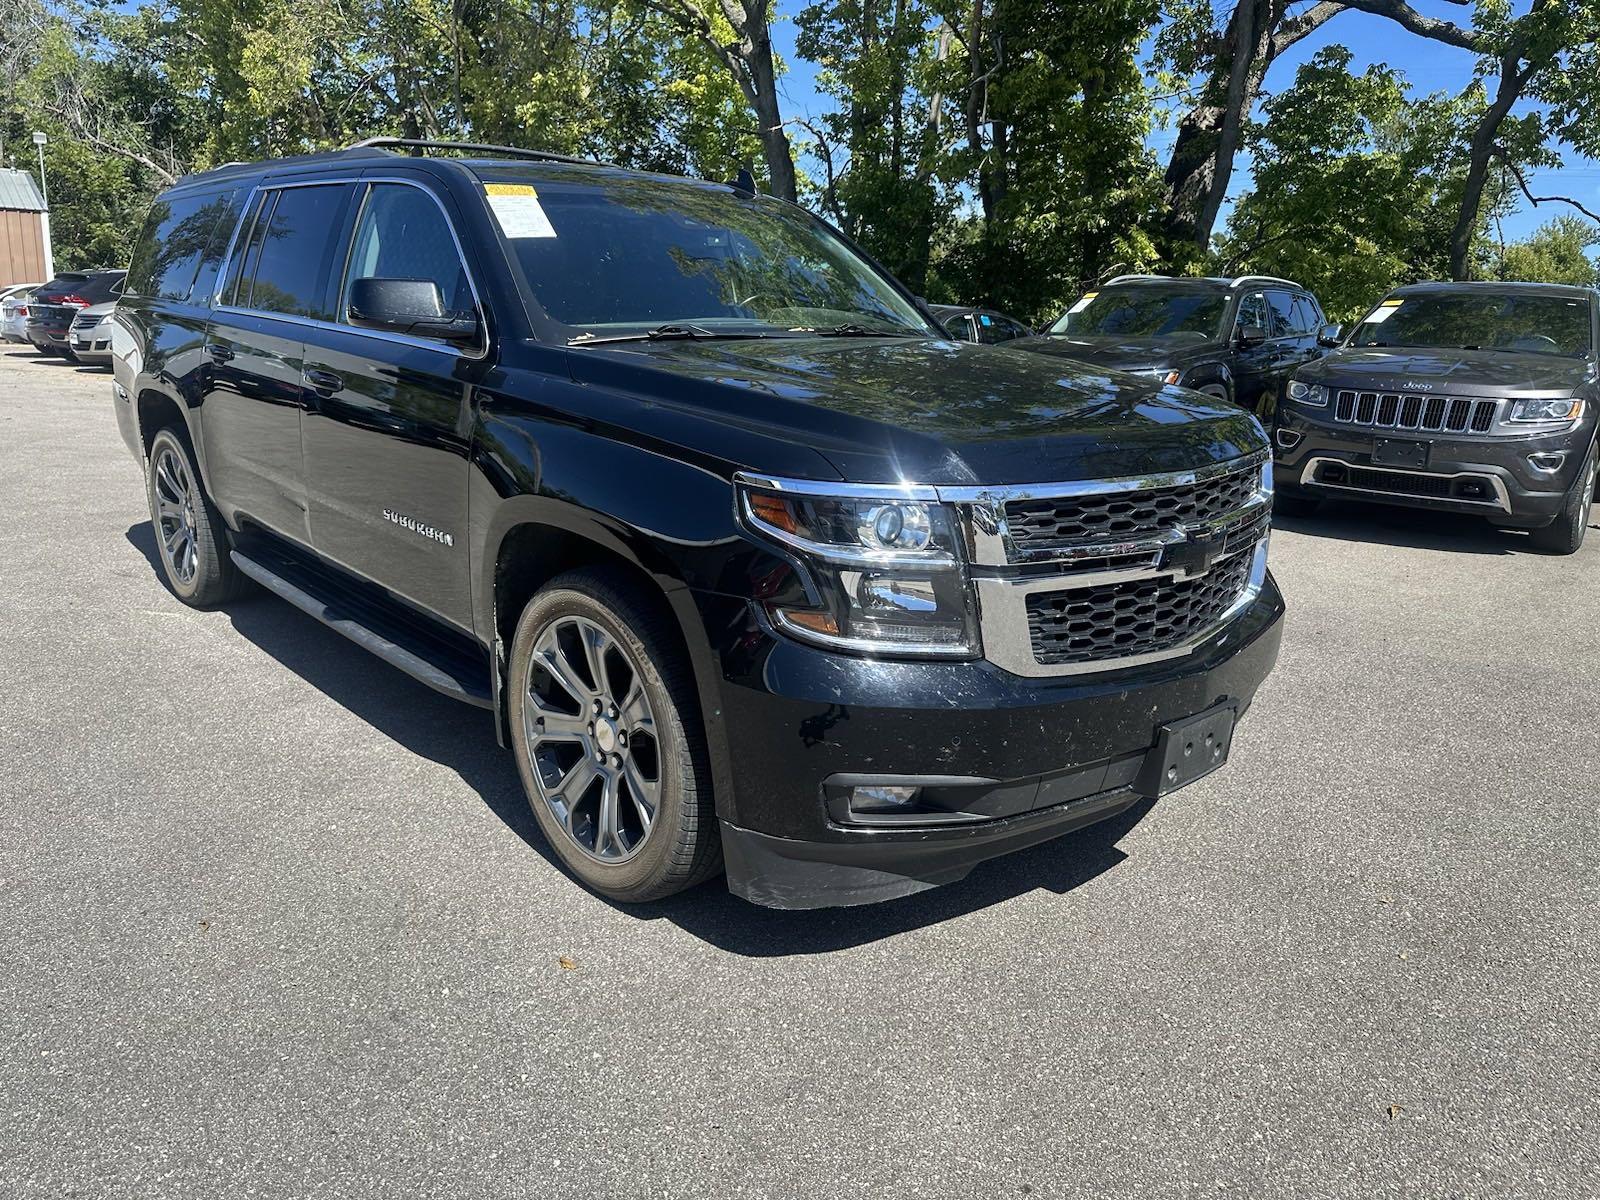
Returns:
point(1084, 303)
point(1383, 312)
point(516, 206)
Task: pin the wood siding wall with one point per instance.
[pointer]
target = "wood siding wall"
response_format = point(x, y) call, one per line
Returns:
point(21, 247)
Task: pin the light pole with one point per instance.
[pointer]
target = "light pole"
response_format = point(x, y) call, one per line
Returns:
point(39, 140)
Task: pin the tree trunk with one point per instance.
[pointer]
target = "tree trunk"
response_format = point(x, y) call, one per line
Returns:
point(757, 54)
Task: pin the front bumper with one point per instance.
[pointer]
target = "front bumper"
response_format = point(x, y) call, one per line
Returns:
point(1018, 761)
point(1490, 477)
point(92, 345)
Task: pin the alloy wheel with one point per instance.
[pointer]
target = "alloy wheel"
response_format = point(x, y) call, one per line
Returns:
point(591, 736)
point(175, 515)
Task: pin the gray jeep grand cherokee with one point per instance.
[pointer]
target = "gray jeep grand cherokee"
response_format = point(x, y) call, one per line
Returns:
point(1472, 397)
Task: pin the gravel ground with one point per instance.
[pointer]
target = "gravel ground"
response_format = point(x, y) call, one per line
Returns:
point(277, 921)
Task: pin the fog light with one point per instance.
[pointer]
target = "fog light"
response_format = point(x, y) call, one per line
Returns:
point(1289, 438)
point(1549, 463)
point(882, 798)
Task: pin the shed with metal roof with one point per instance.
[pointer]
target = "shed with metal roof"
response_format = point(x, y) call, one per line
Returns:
point(24, 230)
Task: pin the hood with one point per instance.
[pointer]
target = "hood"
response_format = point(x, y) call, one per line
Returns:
point(1490, 373)
point(1123, 354)
point(925, 410)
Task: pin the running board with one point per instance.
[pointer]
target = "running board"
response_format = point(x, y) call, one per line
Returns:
point(444, 670)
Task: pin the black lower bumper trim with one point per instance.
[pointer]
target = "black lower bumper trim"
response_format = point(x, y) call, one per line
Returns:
point(780, 872)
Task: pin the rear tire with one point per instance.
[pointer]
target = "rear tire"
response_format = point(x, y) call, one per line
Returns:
point(615, 767)
point(1565, 534)
point(190, 535)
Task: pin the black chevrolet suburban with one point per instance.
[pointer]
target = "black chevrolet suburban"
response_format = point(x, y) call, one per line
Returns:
point(1239, 340)
point(751, 563)
point(1471, 397)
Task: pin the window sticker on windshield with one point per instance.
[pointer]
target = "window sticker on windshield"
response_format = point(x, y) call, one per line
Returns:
point(516, 206)
point(1084, 303)
point(1383, 312)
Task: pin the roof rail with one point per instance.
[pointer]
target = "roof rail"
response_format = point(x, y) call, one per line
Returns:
point(1126, 278)
point(1262, 279)
point(419, 144)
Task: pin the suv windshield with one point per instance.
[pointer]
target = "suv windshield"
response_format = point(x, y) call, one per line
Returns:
point(621, 255)
point(1144, 311)
point(1528, 324)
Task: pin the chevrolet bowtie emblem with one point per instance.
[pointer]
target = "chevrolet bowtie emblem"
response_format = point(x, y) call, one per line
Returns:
point(1196, 554)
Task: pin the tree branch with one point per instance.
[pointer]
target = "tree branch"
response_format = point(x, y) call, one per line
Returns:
point(1409, 18)
point(1499, 152)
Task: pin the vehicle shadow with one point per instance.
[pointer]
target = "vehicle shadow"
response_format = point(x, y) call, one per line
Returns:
point(1416, 528)
point(462, 738)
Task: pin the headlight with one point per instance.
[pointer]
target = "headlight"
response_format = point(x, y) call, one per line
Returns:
point(884, 574)
point(1546, 410)
point(1305, 393)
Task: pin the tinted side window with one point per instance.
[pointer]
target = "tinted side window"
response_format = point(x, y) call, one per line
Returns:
point(1308, 314)
point(247, 250)
point(1283, 318)
point(294, 248)
point(226, 209)
point(1253, 310)
point(169, 251)
point(958, 328)
point(402, 234)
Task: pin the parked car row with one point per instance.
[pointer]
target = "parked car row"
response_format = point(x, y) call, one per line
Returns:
point(65, 316)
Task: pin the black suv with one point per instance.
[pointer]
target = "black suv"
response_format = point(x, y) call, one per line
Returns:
point(1472, 397)
point(1235, 339)
point(54, 305)
point(750, 562)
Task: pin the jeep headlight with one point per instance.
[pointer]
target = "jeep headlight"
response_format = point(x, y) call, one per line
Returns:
point(884, 572)
point(1307, 393)
point(1546, 410)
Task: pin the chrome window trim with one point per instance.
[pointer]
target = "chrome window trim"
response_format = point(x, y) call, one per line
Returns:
point(363, 184)
point(1502, 499)
point(1008, 641)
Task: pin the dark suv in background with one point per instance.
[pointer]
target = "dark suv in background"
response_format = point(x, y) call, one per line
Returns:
point(984, 325)
point(1238, 340)
point(1472, 397)
point(54, 306)
point(750, 561)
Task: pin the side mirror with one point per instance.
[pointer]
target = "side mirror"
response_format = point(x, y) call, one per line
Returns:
point(413, 306)
point(1251, 335)
point(1330, 336)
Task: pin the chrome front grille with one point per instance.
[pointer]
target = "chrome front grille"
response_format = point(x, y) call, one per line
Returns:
point(1134, 617)
point(1409, 410)
point(1061, 521)
point(1106, 574)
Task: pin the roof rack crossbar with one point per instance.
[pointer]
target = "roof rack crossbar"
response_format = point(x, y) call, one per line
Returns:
point(1262, 279)
point(399, 143)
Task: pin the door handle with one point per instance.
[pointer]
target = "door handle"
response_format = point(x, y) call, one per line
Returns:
point(325, 382)
point(220, 353)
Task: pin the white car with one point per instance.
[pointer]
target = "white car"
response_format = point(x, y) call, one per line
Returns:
point(14, 312)
point(90, 333)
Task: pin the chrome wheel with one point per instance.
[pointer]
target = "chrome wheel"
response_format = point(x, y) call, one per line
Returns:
point(175, 515)
point(591, 737)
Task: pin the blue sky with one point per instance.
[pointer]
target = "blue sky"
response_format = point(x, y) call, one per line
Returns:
point(1429, 66)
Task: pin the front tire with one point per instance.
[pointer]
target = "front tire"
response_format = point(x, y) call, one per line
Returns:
point(607, 733)
point(1565, 534)
point(190, 535)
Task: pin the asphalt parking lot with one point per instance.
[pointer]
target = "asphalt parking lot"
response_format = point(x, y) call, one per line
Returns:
point(277, 922)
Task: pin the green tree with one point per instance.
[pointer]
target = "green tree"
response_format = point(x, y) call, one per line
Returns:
point(1557, 252)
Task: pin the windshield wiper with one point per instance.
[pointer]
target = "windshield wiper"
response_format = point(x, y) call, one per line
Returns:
point(855, 329)
point(666, 333)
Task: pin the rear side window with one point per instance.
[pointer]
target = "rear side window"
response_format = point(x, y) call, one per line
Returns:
point(285, 267)
point(402, 234)
point(175, 237)
point(1284, 321)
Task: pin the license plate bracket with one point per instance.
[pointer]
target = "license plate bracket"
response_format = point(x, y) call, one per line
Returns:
point(1188, 750)
point(1391, 452)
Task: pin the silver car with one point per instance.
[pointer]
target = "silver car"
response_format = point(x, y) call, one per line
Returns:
point(90, 333)
point(14, 312)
